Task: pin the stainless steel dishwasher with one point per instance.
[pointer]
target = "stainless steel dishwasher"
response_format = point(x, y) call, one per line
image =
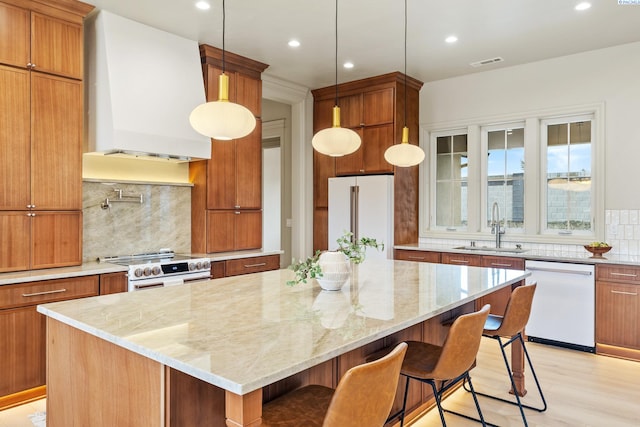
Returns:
point(563, 309)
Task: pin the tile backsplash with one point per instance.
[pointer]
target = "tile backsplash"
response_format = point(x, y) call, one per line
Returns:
point(162, 220)
point(623, 231)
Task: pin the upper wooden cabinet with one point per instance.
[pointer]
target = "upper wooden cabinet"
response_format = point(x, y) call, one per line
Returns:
point(226, 200)
point(375, 108)
point(49, 40)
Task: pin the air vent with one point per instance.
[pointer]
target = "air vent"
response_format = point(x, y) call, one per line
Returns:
point(487, 62)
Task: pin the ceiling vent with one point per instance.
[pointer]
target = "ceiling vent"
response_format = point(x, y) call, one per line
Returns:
point(487, 62)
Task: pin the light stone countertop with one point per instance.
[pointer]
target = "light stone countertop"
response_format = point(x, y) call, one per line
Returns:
point(559, 255)
point(242, 333)
point(86, 269)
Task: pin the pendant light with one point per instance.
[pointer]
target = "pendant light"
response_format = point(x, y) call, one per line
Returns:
point(404, 154)
point(222, 119)
point(336, 141)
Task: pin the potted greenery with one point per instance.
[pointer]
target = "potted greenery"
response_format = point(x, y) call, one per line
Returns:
point(332, 268)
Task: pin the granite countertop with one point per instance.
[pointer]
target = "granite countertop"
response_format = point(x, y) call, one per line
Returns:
point(558, 253)
point(96, 267)
point(242, 333)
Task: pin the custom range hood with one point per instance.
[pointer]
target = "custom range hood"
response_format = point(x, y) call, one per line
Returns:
point(142, 84)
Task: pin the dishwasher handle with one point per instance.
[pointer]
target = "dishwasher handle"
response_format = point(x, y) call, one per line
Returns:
point(560, 270)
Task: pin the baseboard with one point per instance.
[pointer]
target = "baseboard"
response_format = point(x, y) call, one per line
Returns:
point(619, 352)
point(21, 397)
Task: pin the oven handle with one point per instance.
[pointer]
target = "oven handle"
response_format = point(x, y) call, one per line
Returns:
point(148, 286)
point(198, 279)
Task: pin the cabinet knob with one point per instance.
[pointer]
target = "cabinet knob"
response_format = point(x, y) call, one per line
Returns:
point(237, 213)
point(237, 206)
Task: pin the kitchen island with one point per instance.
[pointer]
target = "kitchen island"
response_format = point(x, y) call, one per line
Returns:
point(225, 346)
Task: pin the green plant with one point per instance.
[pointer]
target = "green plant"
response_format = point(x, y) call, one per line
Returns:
point(354, 250)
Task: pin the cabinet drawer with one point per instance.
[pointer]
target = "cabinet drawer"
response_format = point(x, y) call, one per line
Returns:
point(502, 262)
point(462, 259)
point(236, 267)
point(618, 273)
point(422, 256)
point(25, 294)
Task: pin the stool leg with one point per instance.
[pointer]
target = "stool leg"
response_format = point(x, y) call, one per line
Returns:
point(475, 398)
point(436, 394)
point(513, 383)
point(535, 377)
point(404, 402)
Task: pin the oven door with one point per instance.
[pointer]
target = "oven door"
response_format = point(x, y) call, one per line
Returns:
point(160, 282)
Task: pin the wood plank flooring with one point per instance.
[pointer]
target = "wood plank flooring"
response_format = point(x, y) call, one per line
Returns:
point(581, 389)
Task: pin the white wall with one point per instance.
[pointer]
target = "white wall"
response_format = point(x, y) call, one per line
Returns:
point(610, 76)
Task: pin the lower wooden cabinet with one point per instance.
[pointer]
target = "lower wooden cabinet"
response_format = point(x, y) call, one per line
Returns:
point(422, 256)
point(23, 333)
point(239, 266)
point(113, 283)
point(461, 259)
point(233, 230)
point(618, 311)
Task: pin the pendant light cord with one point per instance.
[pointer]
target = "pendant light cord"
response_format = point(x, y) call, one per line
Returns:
point(405, 63)
point(224, 18)
point(336, 52)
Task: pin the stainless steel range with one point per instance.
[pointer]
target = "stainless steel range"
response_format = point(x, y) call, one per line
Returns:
point(163, 268)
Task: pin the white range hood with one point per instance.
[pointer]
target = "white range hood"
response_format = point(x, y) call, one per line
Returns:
point(142, 84)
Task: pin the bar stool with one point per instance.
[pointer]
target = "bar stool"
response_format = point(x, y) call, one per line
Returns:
point(511, 325)
point(448, 363)
point(364, 397)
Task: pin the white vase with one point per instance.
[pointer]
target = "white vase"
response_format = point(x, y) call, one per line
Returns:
point(336, 269)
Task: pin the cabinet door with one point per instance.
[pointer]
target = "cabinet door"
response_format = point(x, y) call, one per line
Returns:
point(56, 46)
point(220, 231)
point(15, 144)
point(221, 175)
point(56, 239)
point(248, 230)
point(14, 36)
point(323, 114)
point(375, 141)
point(461, 259)
point(249, 170)
point(324, 167)
point(618, 314)
point(378, 107)
point(113, 283)
point(249, 93)
point(22, 349)
point(56, 124)
point(320, 229)
point(352, 164)
point(14, 244)
point(350, 111)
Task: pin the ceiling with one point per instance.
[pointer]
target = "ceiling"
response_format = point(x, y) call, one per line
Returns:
point(371, 33)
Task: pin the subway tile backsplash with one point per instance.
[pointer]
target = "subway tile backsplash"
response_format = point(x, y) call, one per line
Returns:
point(162, 220)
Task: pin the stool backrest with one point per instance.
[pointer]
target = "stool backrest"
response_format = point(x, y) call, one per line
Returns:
point(365, 394)
point(461, 345)
point(516, 315)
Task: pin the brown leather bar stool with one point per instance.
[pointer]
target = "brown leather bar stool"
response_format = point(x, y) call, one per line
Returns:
point(511, 325)
point(449, 363)
point(363, 398)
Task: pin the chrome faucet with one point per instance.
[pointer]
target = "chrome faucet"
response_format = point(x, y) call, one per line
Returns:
point(495, 223)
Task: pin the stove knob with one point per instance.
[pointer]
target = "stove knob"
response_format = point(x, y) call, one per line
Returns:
point(206, 264)
point(192, 266)
point(198, 265)
point(138, 272)
point(147, 271)
point(155, 270)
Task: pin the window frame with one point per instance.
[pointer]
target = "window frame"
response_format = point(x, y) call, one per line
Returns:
point(534, 174)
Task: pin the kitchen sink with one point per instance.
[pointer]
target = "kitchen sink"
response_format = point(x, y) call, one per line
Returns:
point(489, 249)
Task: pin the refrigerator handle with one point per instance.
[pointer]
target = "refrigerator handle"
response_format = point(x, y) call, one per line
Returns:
point(354, 212)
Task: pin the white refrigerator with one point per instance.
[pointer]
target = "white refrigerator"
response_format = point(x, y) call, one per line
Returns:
point(364, 206)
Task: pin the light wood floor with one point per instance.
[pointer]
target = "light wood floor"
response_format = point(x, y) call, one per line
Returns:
point(581, 389)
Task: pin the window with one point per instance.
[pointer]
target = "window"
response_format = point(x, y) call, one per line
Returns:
point(568, 175)
point(505, 175)
point(451, 182)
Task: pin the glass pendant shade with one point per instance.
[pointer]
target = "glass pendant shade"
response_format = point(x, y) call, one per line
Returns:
point(404, 154)
point(336, 141)
point(222, 119)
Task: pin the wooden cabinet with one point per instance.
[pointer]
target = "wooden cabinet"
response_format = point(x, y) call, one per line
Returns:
point(461, 259)
point(40, 239)
point(421, 256)
point(618, 311)
point(41, 42)
point(239, 266)
point(226, 210)
point(374, 108)
point(113, 283)
point(41, 63)
point(22, 333)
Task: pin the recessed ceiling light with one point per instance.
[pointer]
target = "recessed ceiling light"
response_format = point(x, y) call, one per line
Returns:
point(203, 5)
point(348, 65)
point(451, 39)
point(583, 6)
point(294, 43)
